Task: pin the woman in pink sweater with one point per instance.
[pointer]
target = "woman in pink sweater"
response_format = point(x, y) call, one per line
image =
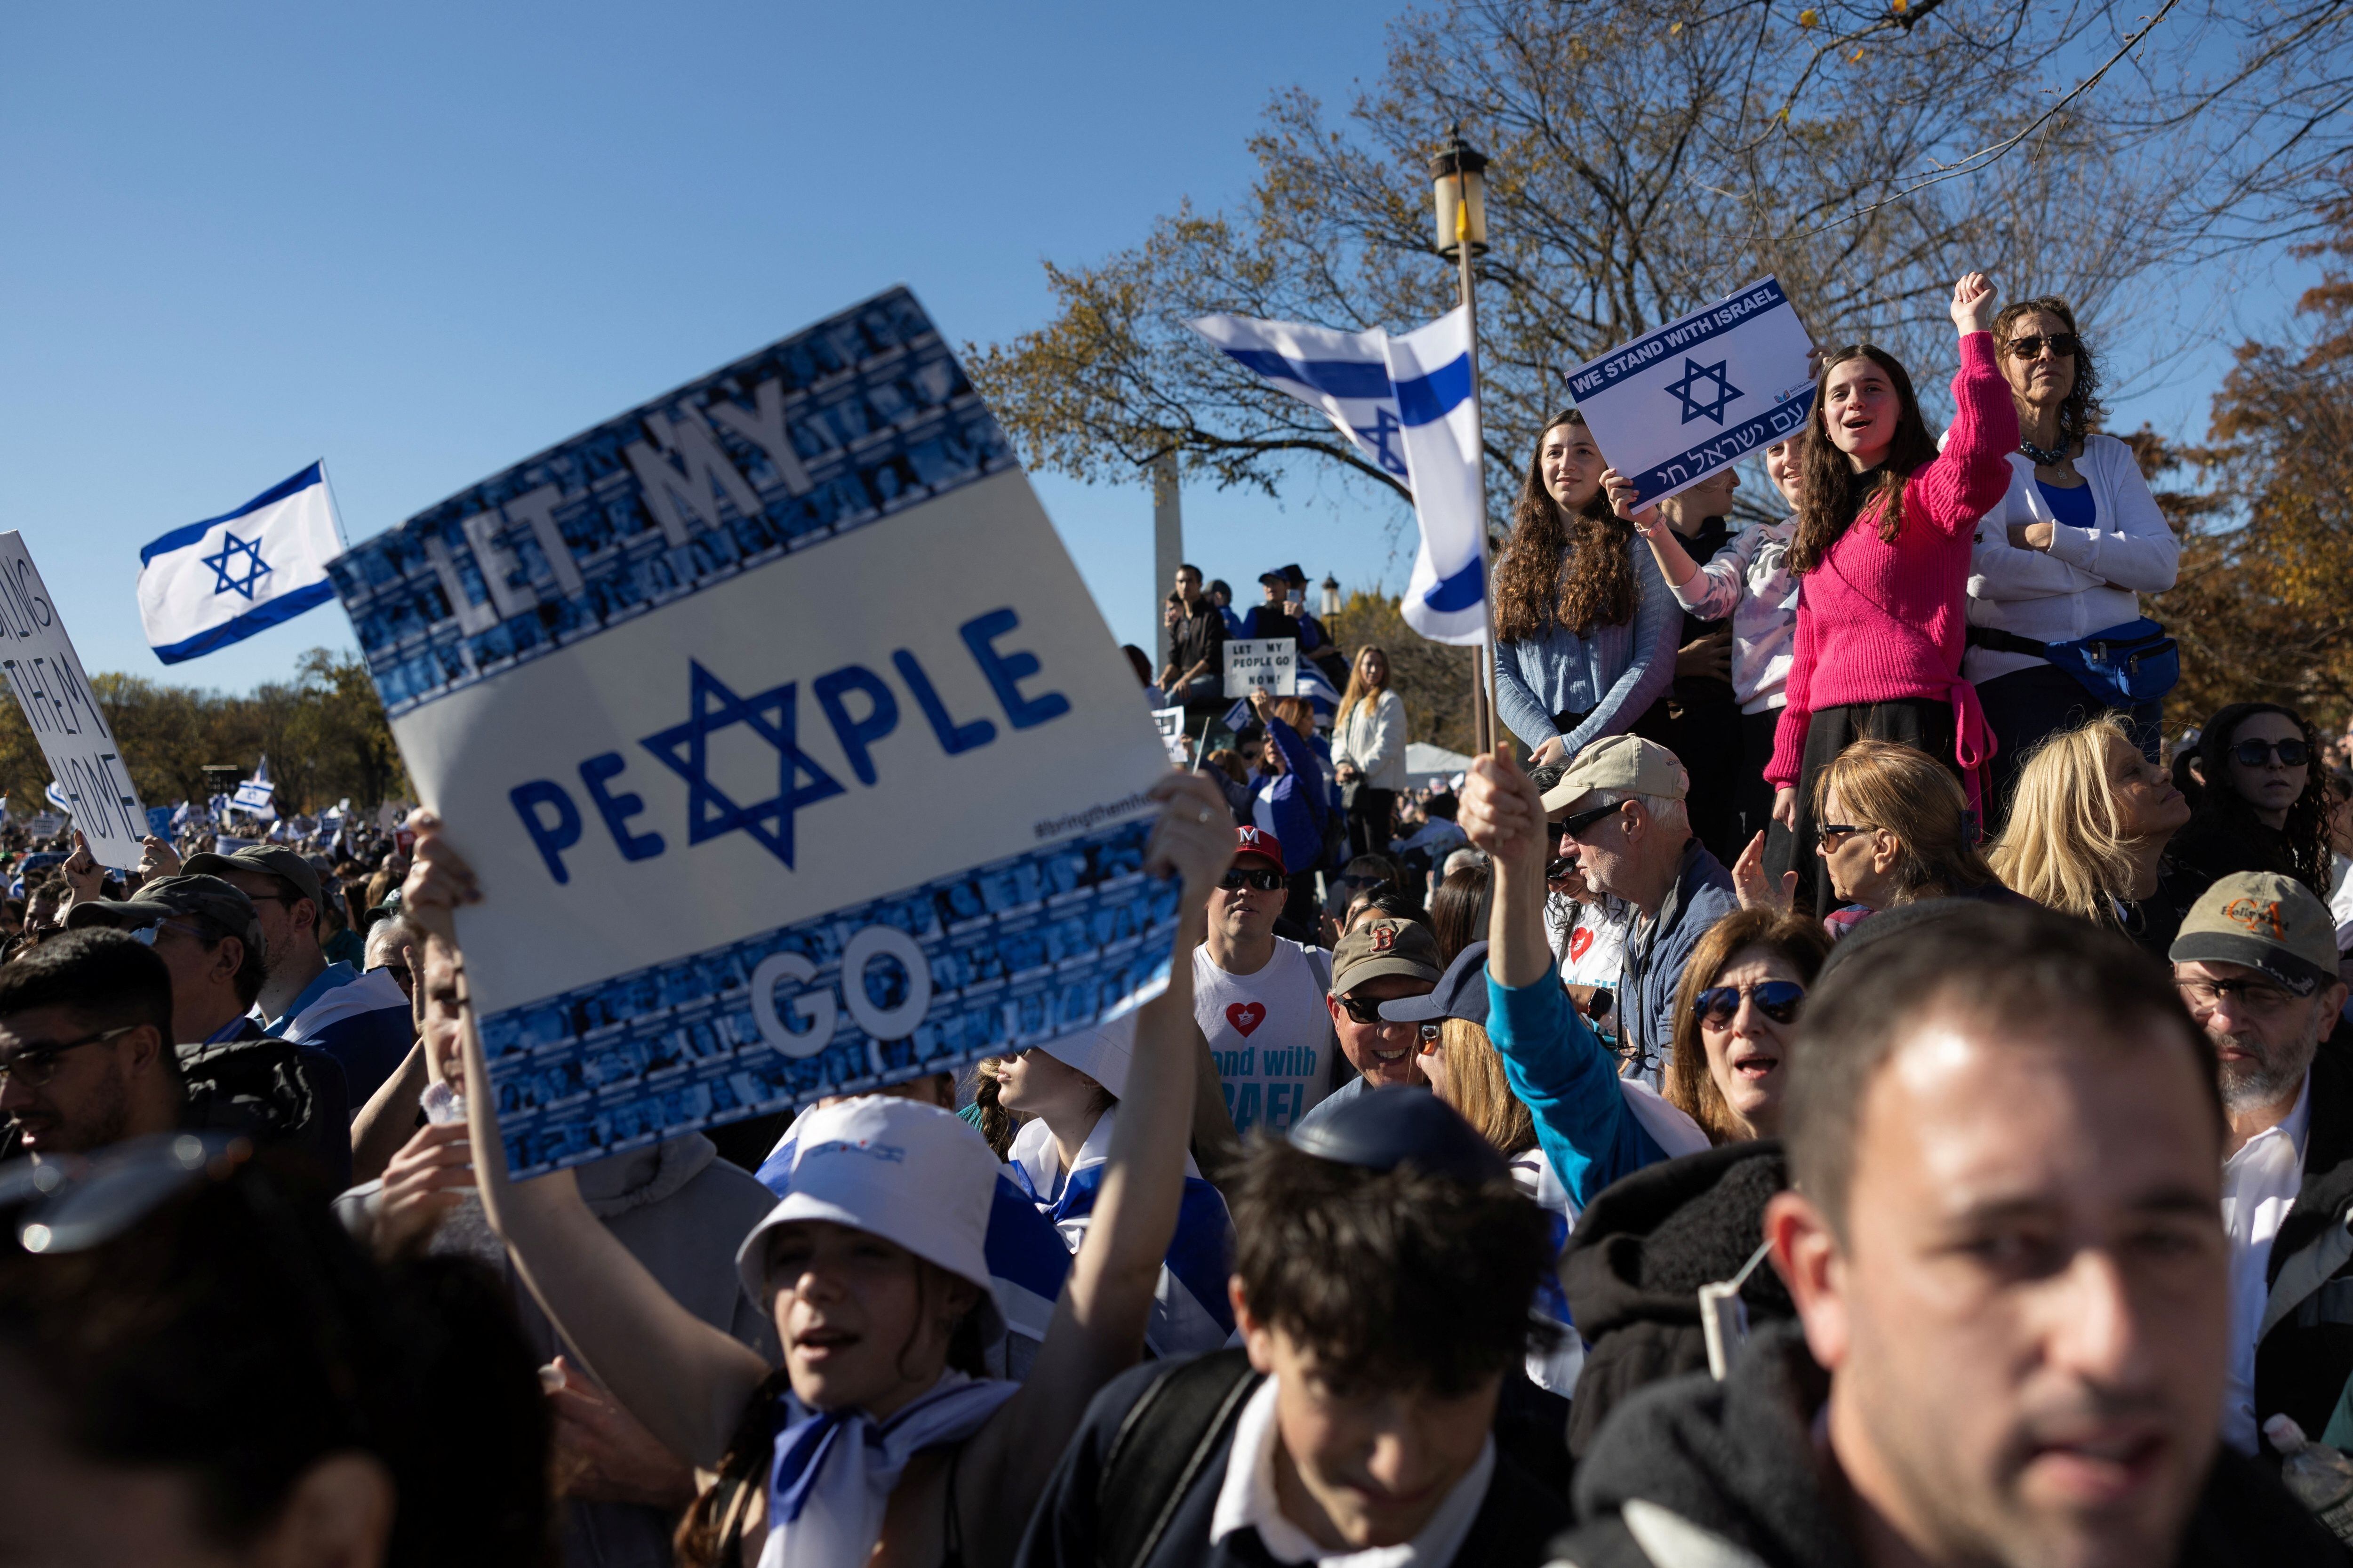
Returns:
point(1881, 554)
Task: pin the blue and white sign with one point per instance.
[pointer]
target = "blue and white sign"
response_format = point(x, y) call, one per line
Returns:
point(89, 778)
point(1699, 393)
point(783, 735)
point(1408, 405)
point(213, 583)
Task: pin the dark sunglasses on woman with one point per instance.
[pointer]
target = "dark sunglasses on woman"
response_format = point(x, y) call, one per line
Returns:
point(2062, 343)
point(1258, 877)
point(1716, 1007)
point(2292, 753)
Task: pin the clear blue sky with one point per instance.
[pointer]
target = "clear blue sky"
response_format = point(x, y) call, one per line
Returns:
point(423, 241)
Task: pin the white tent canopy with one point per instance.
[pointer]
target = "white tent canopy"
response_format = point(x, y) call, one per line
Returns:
point(1427, 764)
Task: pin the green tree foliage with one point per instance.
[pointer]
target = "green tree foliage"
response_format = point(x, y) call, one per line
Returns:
point(324, 732)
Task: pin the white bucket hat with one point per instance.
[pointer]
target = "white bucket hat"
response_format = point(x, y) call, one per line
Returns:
point(1105, 1053)
point(908, 1172)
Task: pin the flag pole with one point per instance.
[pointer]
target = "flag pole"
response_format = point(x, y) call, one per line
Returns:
point(1488, 723)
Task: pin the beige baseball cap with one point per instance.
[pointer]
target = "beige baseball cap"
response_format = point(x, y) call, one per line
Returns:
point(2263, 920)
point(1626, 763)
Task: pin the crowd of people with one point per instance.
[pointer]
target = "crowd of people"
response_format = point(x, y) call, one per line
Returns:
point(1838, 1091)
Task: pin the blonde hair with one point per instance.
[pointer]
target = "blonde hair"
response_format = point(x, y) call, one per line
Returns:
point(2065, 846)
point(1359, 689)
point(1295, 712)
point(1477, 1089)
point(1904, 791)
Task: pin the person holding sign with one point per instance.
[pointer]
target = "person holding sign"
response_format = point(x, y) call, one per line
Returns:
point(1585, 628)
point(879, 1431)
point(1881, 550)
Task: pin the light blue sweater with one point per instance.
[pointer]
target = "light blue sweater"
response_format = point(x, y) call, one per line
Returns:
point(1617, 672)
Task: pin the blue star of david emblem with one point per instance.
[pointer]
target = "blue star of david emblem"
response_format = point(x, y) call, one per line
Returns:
point(224, 579)
point(1385, 425)
point(684, 750)
point(1694, 405)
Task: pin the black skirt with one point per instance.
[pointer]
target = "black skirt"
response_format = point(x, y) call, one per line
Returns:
point(1925, 723)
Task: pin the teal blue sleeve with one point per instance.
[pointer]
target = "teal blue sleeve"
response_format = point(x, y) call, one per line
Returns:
point(1569, 1082)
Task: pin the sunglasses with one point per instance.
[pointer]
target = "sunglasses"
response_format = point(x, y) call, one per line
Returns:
point(1367, 1011)
point(1833, 834)
point(2255, 753)
point(1265, 882)
point(1573, 826)
point(1716, 1007)
point(2028, 347)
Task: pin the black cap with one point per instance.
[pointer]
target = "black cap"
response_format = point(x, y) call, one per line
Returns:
point(1291, 573)
point(1462, 993)
point(271, 859)
point(1274, 576)
point(1382, 1129)
point(160, 899)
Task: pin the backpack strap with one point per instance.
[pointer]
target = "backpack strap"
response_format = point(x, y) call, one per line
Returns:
point(1162, 1446)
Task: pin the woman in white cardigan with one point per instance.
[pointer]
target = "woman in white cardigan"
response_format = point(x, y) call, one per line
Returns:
point(2067, 553)
point(1368, 751)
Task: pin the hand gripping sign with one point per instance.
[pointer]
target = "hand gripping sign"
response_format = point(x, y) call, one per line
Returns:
point(789, 767)
point(1697, 396)
point(46, 675)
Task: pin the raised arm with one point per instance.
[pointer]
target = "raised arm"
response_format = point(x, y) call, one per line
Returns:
point(1098, 1327)
point(1565, 1076)
point(685, 1379)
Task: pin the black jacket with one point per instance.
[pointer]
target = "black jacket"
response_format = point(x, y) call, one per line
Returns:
point(1736, 1461)
point(2304, 1350)
point(1070, 1528)
point(1643, 1250)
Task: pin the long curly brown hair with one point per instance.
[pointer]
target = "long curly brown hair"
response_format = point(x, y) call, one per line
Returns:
point(1833, 496)
point(1572, 569)
point(2223, 808)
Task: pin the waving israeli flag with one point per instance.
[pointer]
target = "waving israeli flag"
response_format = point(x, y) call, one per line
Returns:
point(1408, 404)
point(213, 583)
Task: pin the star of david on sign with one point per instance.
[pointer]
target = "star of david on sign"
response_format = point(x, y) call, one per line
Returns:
point(684, 749)
point(1695, 375)
point(225, 577)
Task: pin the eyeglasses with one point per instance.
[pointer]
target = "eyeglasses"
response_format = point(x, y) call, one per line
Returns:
point(2031, 345)
point(2292, 754)
point(1366, 1010)
point(1265, 882)
point(1833, 834)
point(2260, 995)
point(1716, 1007)
point(71, 1204)
point(1574, 827)
point(35, 1064)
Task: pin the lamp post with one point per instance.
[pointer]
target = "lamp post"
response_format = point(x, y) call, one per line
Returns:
point(1458, 190)
point(1328, 603)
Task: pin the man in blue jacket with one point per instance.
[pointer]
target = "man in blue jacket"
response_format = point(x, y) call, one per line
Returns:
point(1621, 806)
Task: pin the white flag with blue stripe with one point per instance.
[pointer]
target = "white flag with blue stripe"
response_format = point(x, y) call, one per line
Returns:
point(213, 583)
point(1408, 405)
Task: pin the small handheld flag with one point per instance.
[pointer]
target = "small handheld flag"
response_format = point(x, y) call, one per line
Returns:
point(1407, 404)
point(210, 583)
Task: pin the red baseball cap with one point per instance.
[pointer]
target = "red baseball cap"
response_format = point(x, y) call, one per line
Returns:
point(1258, 841)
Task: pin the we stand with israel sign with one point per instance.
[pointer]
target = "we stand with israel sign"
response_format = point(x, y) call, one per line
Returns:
point(791, 753)
point(1699, 393)
point(46, 675)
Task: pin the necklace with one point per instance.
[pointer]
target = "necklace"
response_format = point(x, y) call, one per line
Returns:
point(2045, 457)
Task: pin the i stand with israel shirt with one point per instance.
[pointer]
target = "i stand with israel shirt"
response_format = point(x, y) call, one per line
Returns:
point(210, 583)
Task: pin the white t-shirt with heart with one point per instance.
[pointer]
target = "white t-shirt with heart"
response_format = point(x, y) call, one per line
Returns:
point(1269, 1031)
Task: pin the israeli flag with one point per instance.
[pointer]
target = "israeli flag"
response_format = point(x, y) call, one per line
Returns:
point(213, 583)
point(257, 796)
point(1408, 405)
point(60, 802)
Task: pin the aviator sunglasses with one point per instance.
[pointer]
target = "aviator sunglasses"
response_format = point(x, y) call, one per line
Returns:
point(1777, 999)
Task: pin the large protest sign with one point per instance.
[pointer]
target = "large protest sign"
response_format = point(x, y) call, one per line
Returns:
point(46, 677)
point(1699, 393)
point(1261, 664)
point(791, 753)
